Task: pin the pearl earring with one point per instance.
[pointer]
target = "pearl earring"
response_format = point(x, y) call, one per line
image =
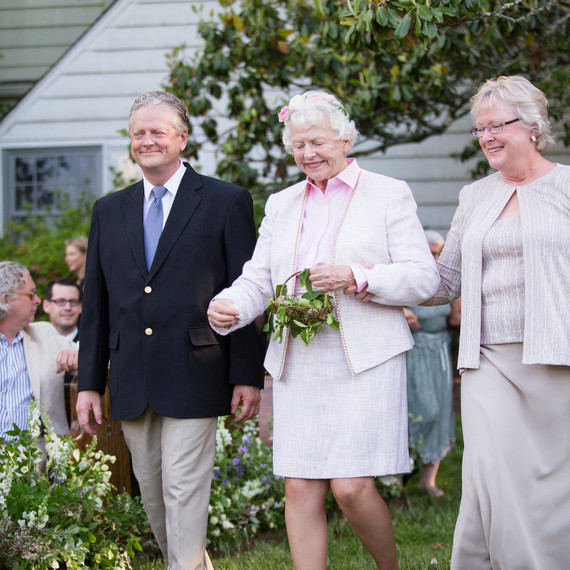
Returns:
point(533, 138)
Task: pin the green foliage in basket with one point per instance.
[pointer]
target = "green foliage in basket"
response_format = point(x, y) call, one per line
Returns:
point(304, 316)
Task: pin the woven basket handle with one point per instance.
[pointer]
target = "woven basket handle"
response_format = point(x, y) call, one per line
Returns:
point(280, 298)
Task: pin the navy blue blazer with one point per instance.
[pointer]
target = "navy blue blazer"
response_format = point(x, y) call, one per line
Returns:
point(150, 326)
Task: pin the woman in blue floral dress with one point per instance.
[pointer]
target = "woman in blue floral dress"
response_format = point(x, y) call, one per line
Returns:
point(430, 383)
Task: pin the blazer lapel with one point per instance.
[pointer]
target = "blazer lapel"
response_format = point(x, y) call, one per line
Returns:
point(185, 203)
point(32, 362)
point(133, 213)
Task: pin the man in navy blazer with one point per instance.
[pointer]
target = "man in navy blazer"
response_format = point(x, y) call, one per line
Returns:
point(170, 375)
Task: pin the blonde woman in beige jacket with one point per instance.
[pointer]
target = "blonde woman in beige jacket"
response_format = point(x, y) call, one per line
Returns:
point(507, 254)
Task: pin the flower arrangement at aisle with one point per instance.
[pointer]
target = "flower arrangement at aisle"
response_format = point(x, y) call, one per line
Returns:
point(246, 497)
point(57, 510)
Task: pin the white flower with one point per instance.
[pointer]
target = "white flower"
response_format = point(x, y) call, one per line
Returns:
point(294, 101)
point(252, 488)
point(223, 437)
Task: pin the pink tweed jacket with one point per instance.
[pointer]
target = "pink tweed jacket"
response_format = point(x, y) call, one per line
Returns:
point(380, 227)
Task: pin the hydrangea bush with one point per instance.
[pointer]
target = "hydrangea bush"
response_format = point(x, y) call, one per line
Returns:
point(57, 509)
point(246, 497)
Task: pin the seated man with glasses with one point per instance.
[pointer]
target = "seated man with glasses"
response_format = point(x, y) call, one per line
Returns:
point(62, 302)
point(33, 356)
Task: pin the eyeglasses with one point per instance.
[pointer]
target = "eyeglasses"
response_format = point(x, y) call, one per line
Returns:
point(494, 127)
point(63, 302)
point(31, 293)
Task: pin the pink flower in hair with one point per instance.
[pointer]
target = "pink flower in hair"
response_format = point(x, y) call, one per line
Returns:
point(296, 100)
point(283, 114)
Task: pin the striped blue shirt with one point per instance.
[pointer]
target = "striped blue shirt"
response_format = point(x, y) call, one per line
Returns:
point(15, 386)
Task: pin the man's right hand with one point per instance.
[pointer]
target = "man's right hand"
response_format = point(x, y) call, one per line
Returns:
point(89, 401)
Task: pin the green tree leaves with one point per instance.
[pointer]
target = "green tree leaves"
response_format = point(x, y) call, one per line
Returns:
point(405, 70)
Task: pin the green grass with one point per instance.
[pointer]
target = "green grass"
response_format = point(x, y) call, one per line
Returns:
point(423, 527)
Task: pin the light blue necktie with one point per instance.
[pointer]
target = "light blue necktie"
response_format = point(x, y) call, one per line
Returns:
point(153, 224)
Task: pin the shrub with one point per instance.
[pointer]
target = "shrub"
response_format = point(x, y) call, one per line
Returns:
point(38, 242)
point(246, 497)
point(57, 510)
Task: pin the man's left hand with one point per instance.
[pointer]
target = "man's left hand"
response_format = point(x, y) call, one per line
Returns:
point(250, 399)
point(66, 361)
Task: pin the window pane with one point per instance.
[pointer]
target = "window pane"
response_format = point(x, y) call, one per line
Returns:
point(24, 196)
point(37, 179)
point(45, 197)
point(24, 169)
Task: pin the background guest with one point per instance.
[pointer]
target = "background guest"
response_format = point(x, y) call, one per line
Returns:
point(33, 356)
point(430, 383)
point(75, 257)
point(62, 302)
point(507, 254)
point(339, 404)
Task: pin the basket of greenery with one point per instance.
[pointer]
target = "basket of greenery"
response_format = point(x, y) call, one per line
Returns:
point(303, 315)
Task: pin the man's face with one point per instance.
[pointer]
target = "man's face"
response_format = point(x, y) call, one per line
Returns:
point(64, 308)
point(23, 305)
point(156, 143)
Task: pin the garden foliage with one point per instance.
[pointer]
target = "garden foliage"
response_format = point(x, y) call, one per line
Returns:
point(246, 497)
point(57, 510)
point(405, 70)
point(38, 242)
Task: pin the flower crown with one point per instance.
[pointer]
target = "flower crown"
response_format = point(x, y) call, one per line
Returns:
point(296, 100)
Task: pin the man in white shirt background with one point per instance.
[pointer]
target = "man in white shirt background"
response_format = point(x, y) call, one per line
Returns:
point(62, 302)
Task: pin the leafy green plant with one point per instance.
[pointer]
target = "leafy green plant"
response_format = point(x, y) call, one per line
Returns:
point(38, 242)
point(57, 510)
point(304, 316)
point(405, 70)
point(246, 497)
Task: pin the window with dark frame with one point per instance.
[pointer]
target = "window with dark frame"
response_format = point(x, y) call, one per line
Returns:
point(36, 180)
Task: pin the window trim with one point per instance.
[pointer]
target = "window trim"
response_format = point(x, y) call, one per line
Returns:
point(9, 175)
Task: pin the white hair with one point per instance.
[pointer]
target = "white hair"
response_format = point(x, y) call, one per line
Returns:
point(315, 108)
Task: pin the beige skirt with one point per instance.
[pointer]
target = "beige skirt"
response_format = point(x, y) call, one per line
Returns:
point(329, 423)
point(515, 504)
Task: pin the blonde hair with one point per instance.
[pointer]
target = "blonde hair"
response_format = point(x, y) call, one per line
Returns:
point(79, 243)
point(155, 98)
point(530, 103)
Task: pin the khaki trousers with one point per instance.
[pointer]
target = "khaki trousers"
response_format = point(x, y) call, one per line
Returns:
point(173, 461)
point(515, 503)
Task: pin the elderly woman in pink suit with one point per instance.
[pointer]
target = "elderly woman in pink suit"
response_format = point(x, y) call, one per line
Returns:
point(340, 412)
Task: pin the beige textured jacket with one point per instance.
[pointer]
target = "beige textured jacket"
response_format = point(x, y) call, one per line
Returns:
point(380, 227)
point(42, 344)
point(545, 222)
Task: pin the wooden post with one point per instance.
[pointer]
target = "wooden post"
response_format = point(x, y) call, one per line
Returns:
point(110, 440)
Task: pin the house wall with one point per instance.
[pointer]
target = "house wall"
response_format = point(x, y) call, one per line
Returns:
point(84, 100)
